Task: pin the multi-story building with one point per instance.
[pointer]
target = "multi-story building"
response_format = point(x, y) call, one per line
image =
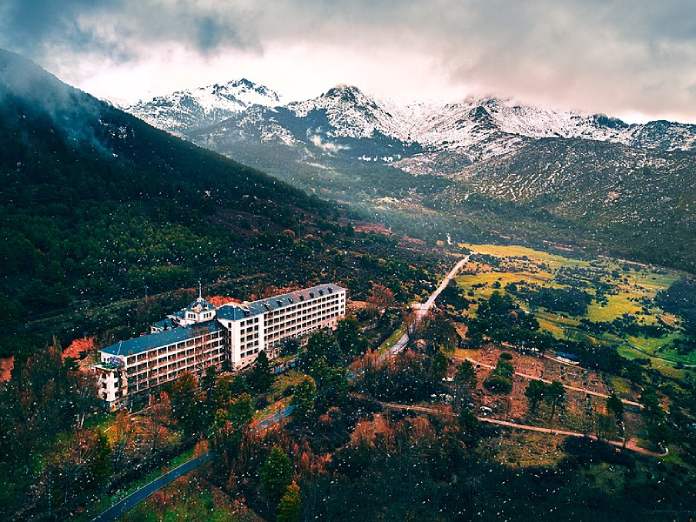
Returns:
point(202, 335)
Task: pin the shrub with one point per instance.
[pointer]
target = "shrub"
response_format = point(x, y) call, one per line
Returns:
point(498, 384)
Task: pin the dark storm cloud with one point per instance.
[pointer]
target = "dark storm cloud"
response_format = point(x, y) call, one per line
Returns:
point(635, 55)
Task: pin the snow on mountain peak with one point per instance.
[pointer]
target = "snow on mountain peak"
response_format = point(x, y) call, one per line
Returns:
point(477, 127)
point(352, 113)
point(203, 106)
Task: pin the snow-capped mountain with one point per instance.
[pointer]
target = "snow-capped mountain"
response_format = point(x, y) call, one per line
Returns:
point(353, 114)
point(184, 111)
point(346, 123)
point(480, 156)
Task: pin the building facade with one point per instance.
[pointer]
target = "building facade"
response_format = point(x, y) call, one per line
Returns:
point(201, 335)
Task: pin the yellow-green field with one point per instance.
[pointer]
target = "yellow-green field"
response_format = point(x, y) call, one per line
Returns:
point(522, 251)
point(631, 290)
point(616, 306)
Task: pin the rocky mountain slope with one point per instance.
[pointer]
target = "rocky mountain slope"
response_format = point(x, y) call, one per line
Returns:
point(600, 176)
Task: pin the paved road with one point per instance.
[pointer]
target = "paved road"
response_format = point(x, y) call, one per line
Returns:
point(274, 418)
point(566, 386)
point(631, 444)
point(422, 309)
point(141, 494)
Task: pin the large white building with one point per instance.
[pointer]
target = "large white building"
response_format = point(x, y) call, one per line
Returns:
point(202, 335)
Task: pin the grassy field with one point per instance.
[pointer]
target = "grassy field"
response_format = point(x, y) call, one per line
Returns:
point(619, 288)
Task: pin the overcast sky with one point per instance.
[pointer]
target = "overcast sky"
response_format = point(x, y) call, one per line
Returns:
point(633, 58)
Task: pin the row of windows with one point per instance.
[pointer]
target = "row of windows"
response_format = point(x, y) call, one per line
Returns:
point(296, 329)
point(314, 312)
point(143, 381)
point(172, 348)
point(174, 361)
point(250, 352)
point(302, 306)
point(247, 322)
point(188, 349)
point(333, 312)
point(147, 384)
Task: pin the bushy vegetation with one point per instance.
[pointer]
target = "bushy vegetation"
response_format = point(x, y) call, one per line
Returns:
point(680, 299)
point(500, 319)
point(569, 300)
point(500, 379)
point(409, 377)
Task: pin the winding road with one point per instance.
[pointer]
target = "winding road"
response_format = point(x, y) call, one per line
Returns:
point(126, 504)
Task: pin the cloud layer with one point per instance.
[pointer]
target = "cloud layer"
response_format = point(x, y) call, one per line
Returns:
point(623, 57)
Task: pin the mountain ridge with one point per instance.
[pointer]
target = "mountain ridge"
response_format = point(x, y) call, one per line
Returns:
point(475, 128)
point(185, 110)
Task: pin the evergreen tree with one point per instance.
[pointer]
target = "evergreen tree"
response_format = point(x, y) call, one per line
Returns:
point(440, 364)
point(289, 346)
point(535, 394)
point(276, 474)
point(186, 407)
point(261, 378)
point(350, 339)
point(464, 384)
point(290, 505)
point(469, 426)
point(555, 396)
point(616, 408)
point(304, 399)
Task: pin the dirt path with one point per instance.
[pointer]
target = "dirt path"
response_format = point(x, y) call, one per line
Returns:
point(566, 386)
point(631, 444)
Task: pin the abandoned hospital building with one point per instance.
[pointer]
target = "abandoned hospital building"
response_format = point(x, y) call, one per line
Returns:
point(202, 335)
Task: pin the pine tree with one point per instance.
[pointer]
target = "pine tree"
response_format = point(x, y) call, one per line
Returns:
point(535, 393)
point(464, 384)
point(276, 474)
point(469, 426)
point(261, 377)
point(555, 396)
point(616, 408)
point(304, 399)
point(290, 505)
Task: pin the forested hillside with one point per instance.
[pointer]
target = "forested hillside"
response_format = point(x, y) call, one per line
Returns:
point(96, 205)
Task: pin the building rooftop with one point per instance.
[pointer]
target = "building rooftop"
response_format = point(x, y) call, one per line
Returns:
point(156, 340)
point(164, 324)
point(199, 305)
point(235, 312)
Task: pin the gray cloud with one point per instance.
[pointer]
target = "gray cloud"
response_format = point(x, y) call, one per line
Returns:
point(616, 56)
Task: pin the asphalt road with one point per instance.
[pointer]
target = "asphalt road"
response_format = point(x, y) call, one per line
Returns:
point(135, 498)
point(143, 493)
point(423, 309)
point(138, 496)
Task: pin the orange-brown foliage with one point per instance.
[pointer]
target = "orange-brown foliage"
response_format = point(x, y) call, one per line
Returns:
point(79, 347)
point(219, 300)
point(6, 365)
